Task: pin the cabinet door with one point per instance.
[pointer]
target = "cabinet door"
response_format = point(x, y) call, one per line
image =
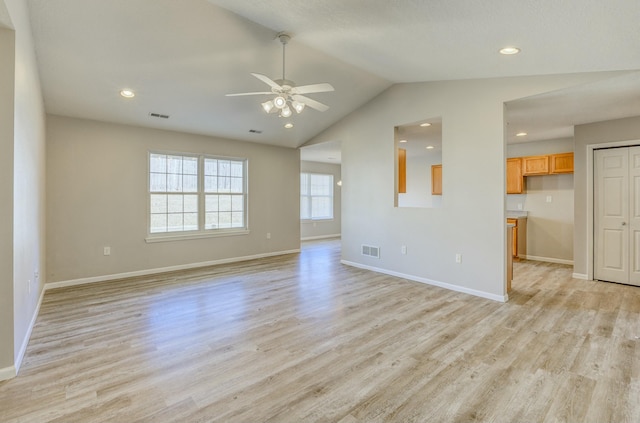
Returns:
point(436, 179)
point(561, 163)
point(535, 165)
point(515, 180)
point(514, 250)
point(402, 170)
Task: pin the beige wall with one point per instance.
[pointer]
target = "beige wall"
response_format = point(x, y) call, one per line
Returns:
point(471, 220)
point(29, 181)
point(97, 196)
point(22, 208)
point(324, 228)
point(585, 135)
point(7, 52)
point(549, 225)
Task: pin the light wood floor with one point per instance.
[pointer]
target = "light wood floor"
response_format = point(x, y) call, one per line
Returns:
point(302, 338)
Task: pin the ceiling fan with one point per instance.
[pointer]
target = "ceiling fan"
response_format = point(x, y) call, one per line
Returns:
point(288, 96)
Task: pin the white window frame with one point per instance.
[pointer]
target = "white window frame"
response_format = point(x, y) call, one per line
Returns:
point(309, 198)
point(200, 232)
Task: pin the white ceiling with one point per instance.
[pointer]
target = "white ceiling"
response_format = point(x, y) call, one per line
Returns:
point(181, 57)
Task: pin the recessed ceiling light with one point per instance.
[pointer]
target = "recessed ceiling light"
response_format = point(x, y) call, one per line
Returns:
point(430, 147)
point(425, 124)
point(288, 125)
point(402, 141)
point(509, 50)
point(521, 134)
point(126, 93)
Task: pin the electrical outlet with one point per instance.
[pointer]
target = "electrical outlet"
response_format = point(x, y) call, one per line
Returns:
point(268, 235)
point(549, 199)
point(403, 249)
point(519, 206)
point(458, 258)
point(107, 251)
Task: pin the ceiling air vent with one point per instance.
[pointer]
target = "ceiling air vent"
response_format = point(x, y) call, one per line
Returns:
point(255, 131)
point(371, 251)
point(158, 115)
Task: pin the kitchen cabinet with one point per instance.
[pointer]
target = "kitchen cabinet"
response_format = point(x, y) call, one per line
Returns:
point(551, 164)
point(519, 237)
point(561, 163)
point(436, 179)
point(515, 179)
point(535, 165)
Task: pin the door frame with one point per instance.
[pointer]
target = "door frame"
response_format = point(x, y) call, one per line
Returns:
point(590, 215)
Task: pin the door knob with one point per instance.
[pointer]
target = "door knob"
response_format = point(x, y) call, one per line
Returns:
point(624, 223)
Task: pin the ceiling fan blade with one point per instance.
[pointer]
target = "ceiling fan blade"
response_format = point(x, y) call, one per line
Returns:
point(270, 82)
point(314, 88)
point(310, 102)
point(239, 94)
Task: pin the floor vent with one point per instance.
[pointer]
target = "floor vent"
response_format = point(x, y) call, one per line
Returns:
point(371, 251)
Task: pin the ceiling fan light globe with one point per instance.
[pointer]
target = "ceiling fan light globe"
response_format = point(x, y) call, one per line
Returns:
point(267, 106)
point(299, 107)
point(279, 102)
point(285, 112)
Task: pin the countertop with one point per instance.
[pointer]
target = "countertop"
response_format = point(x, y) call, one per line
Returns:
point(515, 214)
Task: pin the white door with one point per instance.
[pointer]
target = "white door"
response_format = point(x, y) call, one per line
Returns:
point(617, 215)
point(634, 216)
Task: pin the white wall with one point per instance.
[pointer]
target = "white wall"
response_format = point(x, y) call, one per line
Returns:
point(25, 173)
point(97, 196)
point(472, 219)
point(324, 228)
point(549, 225)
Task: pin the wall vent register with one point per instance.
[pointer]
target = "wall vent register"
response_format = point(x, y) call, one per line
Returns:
point(371, 251)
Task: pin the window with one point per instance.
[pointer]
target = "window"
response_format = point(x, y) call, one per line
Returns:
point(316, 196)
point(191, 194)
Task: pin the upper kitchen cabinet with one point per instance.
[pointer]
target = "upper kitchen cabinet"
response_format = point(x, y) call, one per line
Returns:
point(547, 165)
point(535, 165)
point(561, 163)
point(515, 179)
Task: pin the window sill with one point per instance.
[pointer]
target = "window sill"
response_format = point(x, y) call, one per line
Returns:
point(198, 235)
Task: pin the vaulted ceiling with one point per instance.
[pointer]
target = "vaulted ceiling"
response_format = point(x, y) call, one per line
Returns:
point(182, 57)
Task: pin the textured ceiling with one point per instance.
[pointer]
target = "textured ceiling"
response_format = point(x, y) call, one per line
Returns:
point(182, 57)
point(417, 40)
point(5, 20)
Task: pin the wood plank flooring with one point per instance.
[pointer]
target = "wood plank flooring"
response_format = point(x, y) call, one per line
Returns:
point(302, 338)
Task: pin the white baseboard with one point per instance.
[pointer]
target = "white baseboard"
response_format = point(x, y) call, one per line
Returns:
point(7, 373)
point(482, 294)
point(27, 336)
point(580, 276)
point(311, 238)
point(548, 259)
point(104, 278)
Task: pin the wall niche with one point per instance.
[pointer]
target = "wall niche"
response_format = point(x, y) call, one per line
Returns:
point(418, 151)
